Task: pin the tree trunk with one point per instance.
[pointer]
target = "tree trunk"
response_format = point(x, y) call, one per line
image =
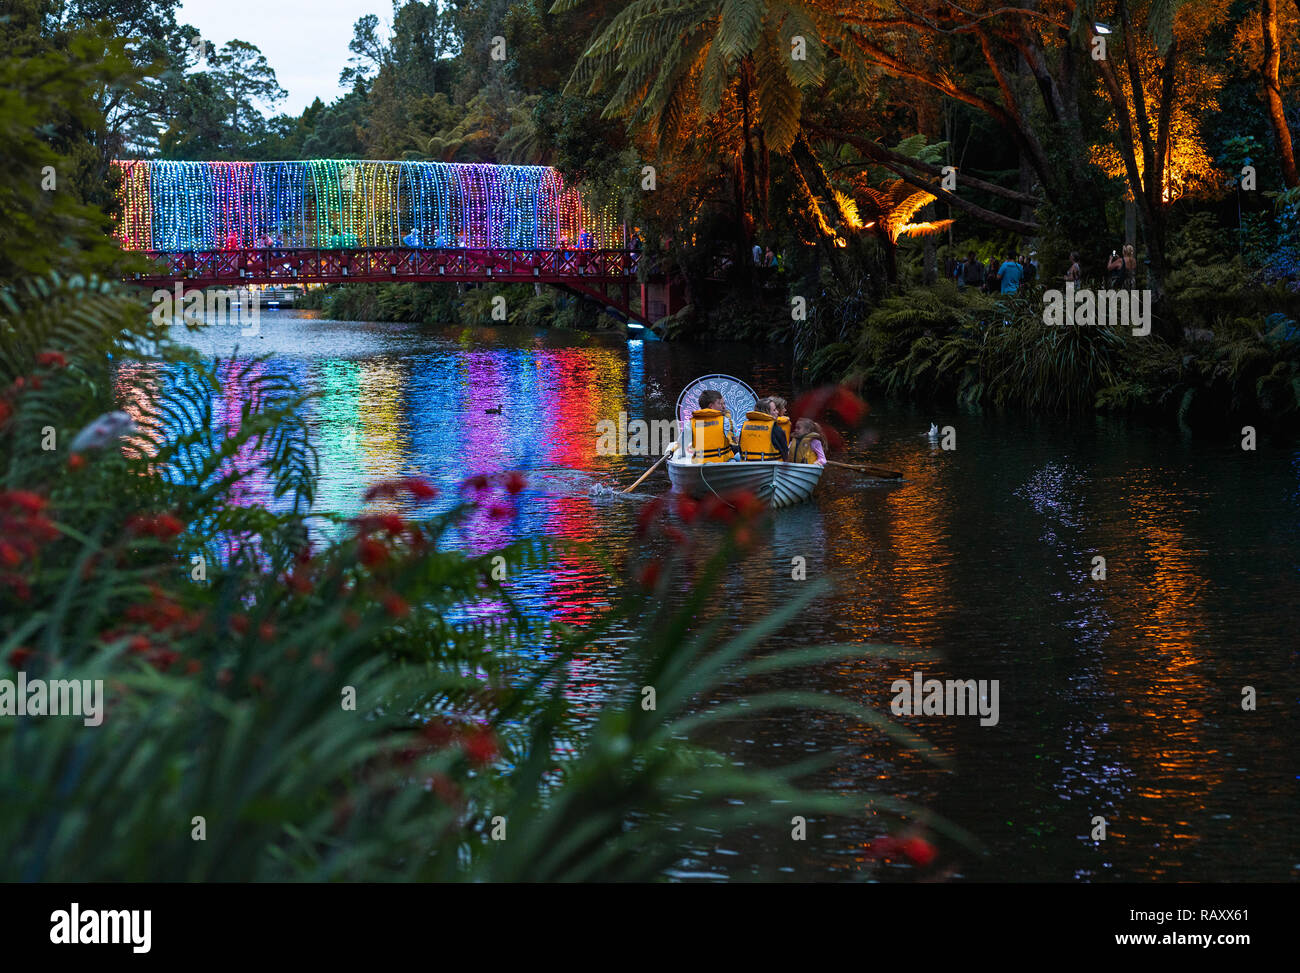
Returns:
point(1273, 91)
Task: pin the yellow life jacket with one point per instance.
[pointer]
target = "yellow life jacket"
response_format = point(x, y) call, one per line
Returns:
point(801, 450)
point(708, 437)
point(784, 423)
point(756, 437)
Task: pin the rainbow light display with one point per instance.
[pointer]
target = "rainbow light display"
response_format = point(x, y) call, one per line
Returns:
point(333, 203)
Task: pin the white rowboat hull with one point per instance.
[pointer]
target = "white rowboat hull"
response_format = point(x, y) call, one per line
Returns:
point(775, 483)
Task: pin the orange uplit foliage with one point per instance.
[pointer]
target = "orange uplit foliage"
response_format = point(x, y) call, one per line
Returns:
point(1248, 42)
point(1189, 170)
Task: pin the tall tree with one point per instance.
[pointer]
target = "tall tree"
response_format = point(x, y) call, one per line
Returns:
point(1271, 71)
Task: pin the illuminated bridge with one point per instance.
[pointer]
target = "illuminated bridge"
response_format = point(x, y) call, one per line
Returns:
point(330, 221)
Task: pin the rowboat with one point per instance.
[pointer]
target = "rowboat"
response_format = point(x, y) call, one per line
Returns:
point(775, 483)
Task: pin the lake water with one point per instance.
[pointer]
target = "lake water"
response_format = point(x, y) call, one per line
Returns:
point(1118, 698)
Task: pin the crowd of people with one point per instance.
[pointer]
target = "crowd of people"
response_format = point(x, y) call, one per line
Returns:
point(766, 434)
point(766, 257)
point(1015, 271)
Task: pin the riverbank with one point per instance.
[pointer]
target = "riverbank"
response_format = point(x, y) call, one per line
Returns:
point(970, 350)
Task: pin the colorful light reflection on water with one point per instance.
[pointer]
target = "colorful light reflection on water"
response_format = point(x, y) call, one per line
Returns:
point(1119, 698)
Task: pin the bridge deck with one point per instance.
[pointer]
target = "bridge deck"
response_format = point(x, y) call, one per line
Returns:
point(589, 272)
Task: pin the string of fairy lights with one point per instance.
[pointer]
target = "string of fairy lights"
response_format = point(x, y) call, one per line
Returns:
point(339, 203)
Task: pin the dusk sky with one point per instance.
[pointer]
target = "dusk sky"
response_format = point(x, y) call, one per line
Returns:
point(305, 41)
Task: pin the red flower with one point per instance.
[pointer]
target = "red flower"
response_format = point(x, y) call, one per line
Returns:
point(266, 632)
point(372, 552)
point(647, 514)
point(161, 526)
point(498, 511)
point(480, 745)
point(445, 788)
point(391, 523)
point(24, 500)
point(52, 359)
point(10, 555)
point(915, 849)
point(19, 656)
point(478, 482)
point(886, 847)
point(438, 732)
point(162, 659)
point(165, 525)
point(139, 645)
point(417, 487)
point(239, 624)
point(688, 508)
point(746, 504)
point(648, 576)
point(76, 461)
point(514, 482)
point(919, 851)
point(713, 508)
point(421, 489)
point(847, 405)
point(396, 605)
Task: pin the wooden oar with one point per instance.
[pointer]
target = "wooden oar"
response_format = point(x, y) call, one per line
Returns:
point(876, 471)
point(671, 447)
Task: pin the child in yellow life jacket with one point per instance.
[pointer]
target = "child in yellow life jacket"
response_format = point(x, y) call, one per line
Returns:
point(709, 440)
point(809, 445)
point(761, 438)
point(779, 407)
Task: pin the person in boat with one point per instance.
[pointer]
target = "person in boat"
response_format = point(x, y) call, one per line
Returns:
point(808, 445)
point(709, 440)
point(779, 407)
point(761, 437)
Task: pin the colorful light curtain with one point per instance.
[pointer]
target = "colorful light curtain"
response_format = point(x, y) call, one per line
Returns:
point(332, 203)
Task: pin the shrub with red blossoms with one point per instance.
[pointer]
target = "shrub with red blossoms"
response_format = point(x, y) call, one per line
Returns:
point(480, 745)
point(416, 487)
point(913, 848)
point(830, 401)
point(162, 526)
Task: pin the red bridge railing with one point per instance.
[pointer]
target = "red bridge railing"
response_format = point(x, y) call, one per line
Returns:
point(281, 265)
